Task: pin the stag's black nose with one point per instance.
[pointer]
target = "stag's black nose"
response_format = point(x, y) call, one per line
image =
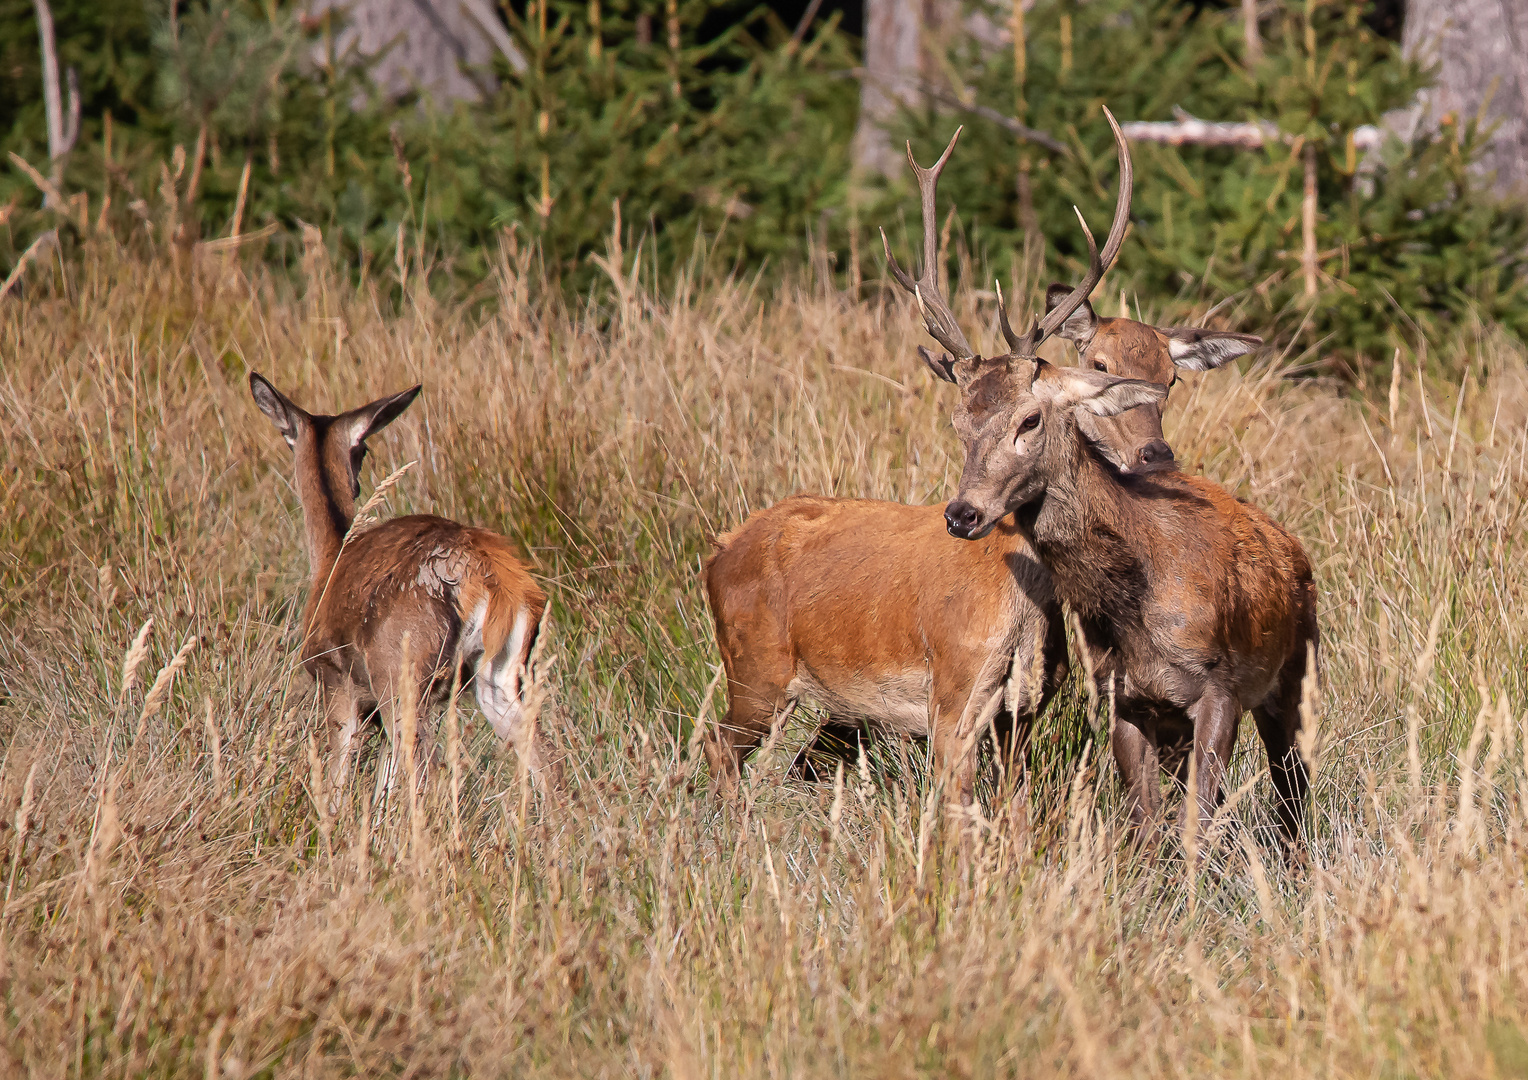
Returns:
point(961, 518)
point(1153, 456)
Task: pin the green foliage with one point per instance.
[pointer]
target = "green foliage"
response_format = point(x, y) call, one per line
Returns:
point(223, 65)
point(1410, 231)
point(733, 145)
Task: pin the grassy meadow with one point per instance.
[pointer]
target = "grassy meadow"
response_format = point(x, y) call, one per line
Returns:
point(177, 902)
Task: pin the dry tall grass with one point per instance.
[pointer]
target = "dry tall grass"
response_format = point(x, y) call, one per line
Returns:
point(176, 903)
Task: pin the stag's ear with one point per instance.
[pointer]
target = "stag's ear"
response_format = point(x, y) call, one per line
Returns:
point(288, 418)
point(1123, 394)
point(1200, 350)
point(1096, 391)
point(1080, 324)
point(943, 366)
point(959, 372)
point(366, 421)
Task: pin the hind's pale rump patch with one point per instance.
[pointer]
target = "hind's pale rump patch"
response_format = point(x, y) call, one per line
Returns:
point(500, 680)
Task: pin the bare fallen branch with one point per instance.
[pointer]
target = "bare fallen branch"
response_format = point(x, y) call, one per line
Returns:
point(1246, 135)
point(37, 247)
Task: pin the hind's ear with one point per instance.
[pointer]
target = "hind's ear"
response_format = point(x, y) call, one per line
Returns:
point(366, 421)
point(1194, 349)
point(1098, 392)
point(288, 418)
point(1080, 324)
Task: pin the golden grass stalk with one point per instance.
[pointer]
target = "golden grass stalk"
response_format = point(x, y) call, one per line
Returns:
point(215, 747)
point(157, 694)
point(137, 652)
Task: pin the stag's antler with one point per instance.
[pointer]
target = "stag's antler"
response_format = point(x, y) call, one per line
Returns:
point(937, 318)
point(1097, 263)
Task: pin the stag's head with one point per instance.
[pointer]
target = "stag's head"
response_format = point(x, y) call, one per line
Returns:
point(1131, 441)
point(1019, 421)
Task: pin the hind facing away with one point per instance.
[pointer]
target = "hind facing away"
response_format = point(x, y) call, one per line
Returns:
point(452, 590)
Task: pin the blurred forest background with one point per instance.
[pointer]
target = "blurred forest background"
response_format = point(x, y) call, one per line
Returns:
point(417, 136)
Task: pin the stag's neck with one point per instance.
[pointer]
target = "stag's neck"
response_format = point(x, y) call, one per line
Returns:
point(327, 510)
point(1088, 535)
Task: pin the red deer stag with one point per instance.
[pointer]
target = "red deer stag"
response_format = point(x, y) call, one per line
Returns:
point(873, 611)
point(451, 590)
point(1195, 607)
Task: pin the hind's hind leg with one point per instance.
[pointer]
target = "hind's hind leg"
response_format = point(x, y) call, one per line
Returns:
point(757, 701)
point(500, 686)
point(342, 716)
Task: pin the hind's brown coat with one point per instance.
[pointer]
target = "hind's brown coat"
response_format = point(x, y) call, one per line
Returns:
point(395, 605)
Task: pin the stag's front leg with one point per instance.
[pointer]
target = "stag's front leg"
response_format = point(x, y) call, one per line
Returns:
point(959, 718)
point(1215, 716)
point(1136, 757)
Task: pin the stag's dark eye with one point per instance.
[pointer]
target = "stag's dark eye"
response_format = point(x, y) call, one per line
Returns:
point(1099, 365)
point(1029, 423)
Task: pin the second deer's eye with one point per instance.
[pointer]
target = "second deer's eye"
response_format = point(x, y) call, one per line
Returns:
point(1099, 365)
point(1029, 423)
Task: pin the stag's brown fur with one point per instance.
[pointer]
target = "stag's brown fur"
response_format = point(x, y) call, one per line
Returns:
point(397, 604)
point(1195, 606)
point(872, 610)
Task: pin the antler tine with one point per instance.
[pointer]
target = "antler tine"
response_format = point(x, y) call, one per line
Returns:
point(937, 317)
point(1015, 342)
point(1097, 263)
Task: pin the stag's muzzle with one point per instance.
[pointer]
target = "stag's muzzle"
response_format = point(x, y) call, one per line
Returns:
point(962, 519)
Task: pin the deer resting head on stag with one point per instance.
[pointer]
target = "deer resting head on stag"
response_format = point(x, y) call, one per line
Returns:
point(1117, 393)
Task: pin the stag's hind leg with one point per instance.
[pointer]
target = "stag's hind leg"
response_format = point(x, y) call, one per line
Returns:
point(1278, 723)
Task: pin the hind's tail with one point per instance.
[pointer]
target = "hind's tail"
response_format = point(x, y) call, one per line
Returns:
point(511, 606)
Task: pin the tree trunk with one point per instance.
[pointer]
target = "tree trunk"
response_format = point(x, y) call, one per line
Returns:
point(1478, 45)
point(906, 42)
point(440, 47)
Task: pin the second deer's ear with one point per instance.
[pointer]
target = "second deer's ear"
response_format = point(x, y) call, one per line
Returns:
point(288, 418)
point(1080, 324)
point(370, 419)
point(1200, 350)
point(1123, 394)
